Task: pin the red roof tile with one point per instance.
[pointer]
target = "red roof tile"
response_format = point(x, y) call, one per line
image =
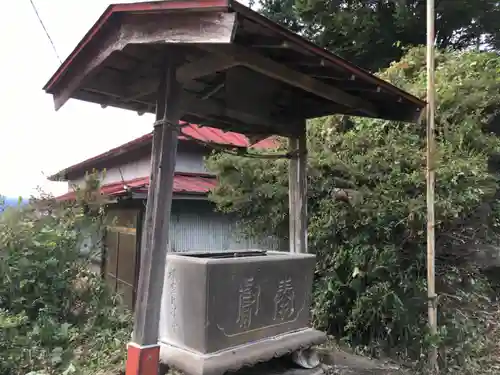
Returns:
point(188, 132)
point(183, 183)
point(213, 135)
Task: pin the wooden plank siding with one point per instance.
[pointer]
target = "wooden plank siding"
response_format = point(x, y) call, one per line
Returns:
point(122, 255)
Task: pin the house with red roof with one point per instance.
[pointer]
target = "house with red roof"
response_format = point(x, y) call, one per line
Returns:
point(195, 224)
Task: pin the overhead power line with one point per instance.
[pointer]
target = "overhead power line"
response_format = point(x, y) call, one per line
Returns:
point(46, 31)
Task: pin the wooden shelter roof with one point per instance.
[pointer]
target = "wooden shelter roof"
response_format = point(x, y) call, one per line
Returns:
point(240, 71)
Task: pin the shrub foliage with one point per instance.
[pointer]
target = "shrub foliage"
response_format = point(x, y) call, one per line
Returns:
point(56, 316)
point(367, 213)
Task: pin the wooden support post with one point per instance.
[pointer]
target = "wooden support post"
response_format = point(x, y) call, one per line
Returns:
point(293, 145)
point(302, 192)
point(144, 350)
point(297, 191)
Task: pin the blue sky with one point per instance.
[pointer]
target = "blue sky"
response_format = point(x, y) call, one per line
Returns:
point(37, 141)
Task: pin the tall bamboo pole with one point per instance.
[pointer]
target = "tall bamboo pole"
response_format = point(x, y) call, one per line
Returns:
point(431, 106)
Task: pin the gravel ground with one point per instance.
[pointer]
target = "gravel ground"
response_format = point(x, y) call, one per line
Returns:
point(344, 363)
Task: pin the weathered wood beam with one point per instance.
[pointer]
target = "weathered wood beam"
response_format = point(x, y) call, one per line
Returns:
point(212, 91)
point(302, 191)
point(211, 109)
point(155, 239)
point(297, 192)
point(108, 94)
point(264, 42)
point(223, 124)
point(204, 67)
point(179, 27)
point(247, 91)
point(205, 108)
point(302, 81)
point(271, 46)
point(173, 28)
point(293, 168)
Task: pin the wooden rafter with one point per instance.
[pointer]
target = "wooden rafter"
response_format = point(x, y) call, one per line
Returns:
point(203, 67)
point(211, 109)
point(217, 27)
point(280, 72)
point(201, 108)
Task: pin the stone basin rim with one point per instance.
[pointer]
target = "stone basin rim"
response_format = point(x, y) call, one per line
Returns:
point(202, 257)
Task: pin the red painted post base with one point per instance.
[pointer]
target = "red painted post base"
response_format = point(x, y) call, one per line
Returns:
point(142, 360)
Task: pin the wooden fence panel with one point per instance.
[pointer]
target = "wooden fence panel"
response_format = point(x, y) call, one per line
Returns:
point(122, 253)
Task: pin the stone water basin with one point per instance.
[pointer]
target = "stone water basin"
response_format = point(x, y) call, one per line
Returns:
point(222, 311)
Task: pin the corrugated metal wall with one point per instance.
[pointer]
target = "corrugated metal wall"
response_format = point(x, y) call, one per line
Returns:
point(196, 227)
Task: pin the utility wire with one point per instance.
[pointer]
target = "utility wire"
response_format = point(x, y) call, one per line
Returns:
point(231, 151)
point(46, 31)
point(228, 150)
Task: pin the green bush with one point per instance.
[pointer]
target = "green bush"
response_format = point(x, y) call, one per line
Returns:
point(370, 287)
point(56, 316)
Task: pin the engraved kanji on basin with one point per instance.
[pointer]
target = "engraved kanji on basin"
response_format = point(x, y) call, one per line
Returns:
point(248, 302)
point(284, 300)
point(225, 310)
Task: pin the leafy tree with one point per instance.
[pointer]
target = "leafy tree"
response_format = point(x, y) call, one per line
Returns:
point(373, 33)
point(371, 247)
